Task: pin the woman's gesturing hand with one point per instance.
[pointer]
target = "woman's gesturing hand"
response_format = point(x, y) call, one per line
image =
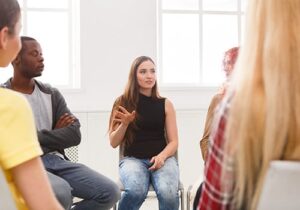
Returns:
point(123, 116)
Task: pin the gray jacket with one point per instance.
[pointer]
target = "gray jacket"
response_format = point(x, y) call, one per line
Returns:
point(56, 139)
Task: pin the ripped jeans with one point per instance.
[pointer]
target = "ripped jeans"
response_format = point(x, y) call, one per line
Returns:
point(136, 179)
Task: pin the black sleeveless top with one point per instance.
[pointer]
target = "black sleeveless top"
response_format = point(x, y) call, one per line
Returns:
point(149, 138)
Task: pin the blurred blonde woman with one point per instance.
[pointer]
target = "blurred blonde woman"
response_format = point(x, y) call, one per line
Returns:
point(260, 115)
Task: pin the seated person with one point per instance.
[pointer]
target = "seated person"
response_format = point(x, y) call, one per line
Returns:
point(230, 58)
point(57, 130)
point(139, 120)
point(229, 61)
point(19, 148)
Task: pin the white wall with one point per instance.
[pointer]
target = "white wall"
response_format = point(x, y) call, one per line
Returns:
point(113, 33)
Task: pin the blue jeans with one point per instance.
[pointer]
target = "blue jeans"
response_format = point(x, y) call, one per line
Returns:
point(97, 191)
point(136, 179)
point(62, 190)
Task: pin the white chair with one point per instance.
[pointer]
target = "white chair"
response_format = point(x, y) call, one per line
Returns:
point(6, 199)
point(72, 153)
point(191, 193)
point(151, 191)
point(281, 189)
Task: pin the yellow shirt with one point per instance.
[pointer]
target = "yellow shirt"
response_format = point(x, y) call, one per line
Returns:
point(18, 139)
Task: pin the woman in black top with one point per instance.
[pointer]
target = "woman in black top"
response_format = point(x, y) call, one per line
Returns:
point(144, 125)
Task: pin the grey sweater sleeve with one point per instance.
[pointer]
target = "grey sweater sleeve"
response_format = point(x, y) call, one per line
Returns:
point(62, 138)
point(56, 139)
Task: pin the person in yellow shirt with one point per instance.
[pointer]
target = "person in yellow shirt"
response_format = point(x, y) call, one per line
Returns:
point(19, 149)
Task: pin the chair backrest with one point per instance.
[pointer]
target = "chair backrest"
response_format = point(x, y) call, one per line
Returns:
point(6, 199)
point(281, 188)
point(72, 154)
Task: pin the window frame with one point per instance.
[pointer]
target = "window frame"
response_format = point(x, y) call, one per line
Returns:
point(239, 14)
point(73, 12)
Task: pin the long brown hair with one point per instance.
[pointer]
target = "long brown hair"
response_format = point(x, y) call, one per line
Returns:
point(130, 98)
point(264, 114)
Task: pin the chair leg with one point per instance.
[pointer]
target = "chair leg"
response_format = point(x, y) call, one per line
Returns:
point(188, 198)
point(182, 199)
point(115, 207)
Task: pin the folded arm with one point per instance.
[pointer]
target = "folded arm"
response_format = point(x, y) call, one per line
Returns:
point(65, 131)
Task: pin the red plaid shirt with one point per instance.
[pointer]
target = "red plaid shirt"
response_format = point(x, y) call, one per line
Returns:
point(218, 178)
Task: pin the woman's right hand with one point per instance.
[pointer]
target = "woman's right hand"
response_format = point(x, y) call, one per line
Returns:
point(123, 116)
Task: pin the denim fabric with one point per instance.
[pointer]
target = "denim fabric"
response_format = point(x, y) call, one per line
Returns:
point(62, 190)
point(97, 191)
point(136, 179)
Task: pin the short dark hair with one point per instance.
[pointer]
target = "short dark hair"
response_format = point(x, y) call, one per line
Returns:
point(9, 14)
point(23, 40)
point(26, 38)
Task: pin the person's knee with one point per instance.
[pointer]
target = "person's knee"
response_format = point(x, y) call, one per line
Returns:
point(137, 192)
point(62, 190)
point(64, 196)
point(115, 193)
point(168, 194)
point(109, 196)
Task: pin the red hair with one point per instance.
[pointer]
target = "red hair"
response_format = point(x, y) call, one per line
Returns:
point(233, 54)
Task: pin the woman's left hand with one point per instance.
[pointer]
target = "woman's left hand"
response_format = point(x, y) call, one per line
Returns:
point(158, 162)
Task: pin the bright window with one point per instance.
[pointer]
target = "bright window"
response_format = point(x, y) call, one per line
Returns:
point(193, 36)
point(55, 25)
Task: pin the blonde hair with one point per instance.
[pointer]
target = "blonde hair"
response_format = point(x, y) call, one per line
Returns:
point(264, 113)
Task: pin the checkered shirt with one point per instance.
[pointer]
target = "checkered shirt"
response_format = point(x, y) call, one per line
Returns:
point(217, 188)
